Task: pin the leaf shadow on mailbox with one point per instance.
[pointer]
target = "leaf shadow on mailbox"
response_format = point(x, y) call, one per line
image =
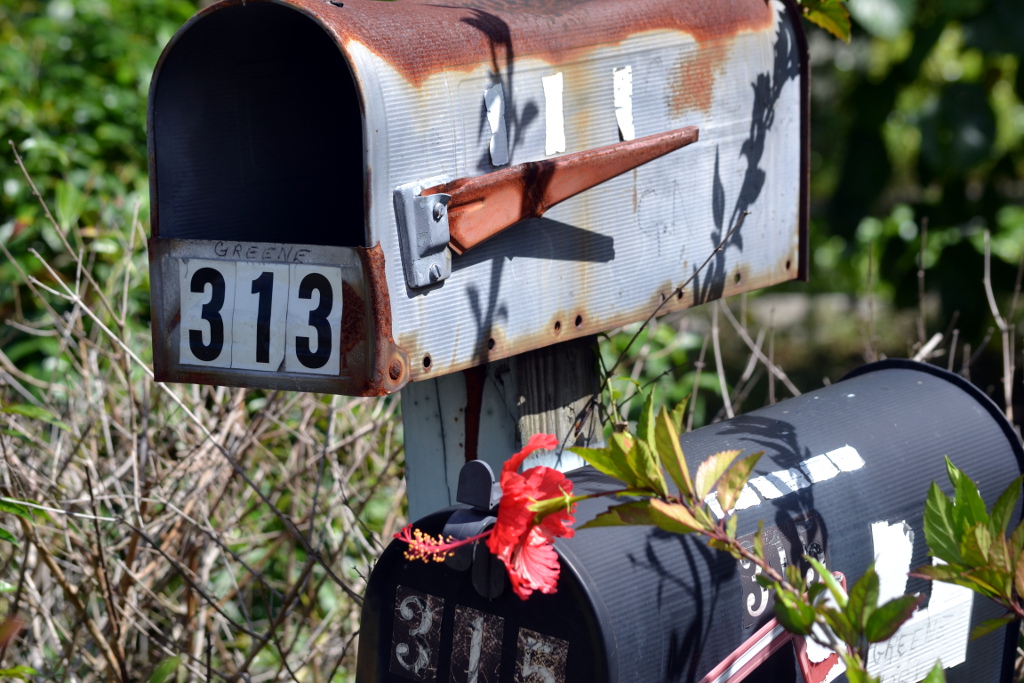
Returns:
point(635, 603)
point(348, 196)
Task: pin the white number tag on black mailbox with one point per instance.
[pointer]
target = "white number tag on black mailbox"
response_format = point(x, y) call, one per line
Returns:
point(260, 316)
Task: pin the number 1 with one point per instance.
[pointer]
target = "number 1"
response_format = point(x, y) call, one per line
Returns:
point(264, 287)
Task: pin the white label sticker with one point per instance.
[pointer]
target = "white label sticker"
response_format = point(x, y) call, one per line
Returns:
point(261, 299)
point(207, 297)
point(314, 320)
point(260, 316)
point(554, 119)
point(938, 632)
point(623, 97)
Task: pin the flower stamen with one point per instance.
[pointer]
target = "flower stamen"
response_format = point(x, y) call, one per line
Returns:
point(427, 548)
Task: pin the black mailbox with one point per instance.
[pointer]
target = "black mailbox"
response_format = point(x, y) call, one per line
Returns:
point(844, 478)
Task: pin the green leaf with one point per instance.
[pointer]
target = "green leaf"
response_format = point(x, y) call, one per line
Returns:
point(1018, 575)
point(990, 625)
point(855, 674)
point(795, 615)
point(863, 598)
point(670, 453)
point(887, 619)
point(969, 508)
point(954, 473)
point(165, 670)
point(711, 469)
point(974, 545)
point(759, 539)
point(999, 554)
point(726, 547)
point(938, 526)
point(957, 575)
point(940, 572)
point(645, 464)
point(20, 672)
point(7, 505)
point(840, 624)
point(815, 592)
point(621, 445)
point(735, 478)
point(6, 535)
point(678, 414)
point(1017, 540)
point(978, 582)
point(830, 15)
point(70, 203)
point(936, 675)
point(833, 584)
point(1001, 581)
point(36, 413)
point(627, 514)
point(1003, 509)
point(730, 526)
point(645, 425)
point(673, 517)
point(605, 460)
point(795, 577)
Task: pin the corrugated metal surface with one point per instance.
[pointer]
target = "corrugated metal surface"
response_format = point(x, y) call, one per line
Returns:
point(607, 257)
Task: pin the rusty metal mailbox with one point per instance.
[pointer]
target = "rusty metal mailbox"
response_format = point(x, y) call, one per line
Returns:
point(349, 194)
point(844, 477)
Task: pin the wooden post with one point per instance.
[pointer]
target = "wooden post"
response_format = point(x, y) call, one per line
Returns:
point(488, 412)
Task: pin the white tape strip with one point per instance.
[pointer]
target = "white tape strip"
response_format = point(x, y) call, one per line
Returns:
point(938, 632)
point(623, 93)
point(494, 100)
point(554, 119)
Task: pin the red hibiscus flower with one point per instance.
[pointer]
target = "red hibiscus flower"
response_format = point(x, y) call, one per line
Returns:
point(518, 539)
point(536, 507)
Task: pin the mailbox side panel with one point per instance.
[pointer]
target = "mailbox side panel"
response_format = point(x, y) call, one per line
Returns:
point(844, 477)
point(617, 252)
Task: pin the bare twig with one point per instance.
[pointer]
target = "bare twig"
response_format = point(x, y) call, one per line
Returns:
point(1004, 332)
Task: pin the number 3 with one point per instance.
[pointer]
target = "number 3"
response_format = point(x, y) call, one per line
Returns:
point(318, 320)
point(210, 313)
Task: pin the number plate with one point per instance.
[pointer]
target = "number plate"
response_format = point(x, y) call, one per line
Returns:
point(261, 316)
point(273, 316)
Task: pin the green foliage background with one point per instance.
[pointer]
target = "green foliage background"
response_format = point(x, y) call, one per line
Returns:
point(918, 119)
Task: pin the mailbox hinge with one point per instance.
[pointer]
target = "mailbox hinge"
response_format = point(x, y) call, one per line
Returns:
point(423, 232)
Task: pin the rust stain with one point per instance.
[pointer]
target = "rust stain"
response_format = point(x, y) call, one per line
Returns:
point(476, 378)
point(419, 40)
point(693, 82)
point(390, 369)
point(353, 315)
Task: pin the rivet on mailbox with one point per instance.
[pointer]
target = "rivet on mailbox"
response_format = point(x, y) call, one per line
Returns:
point(338, 188)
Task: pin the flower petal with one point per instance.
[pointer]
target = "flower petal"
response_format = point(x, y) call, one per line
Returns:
point(534, 566)
point(536, 442)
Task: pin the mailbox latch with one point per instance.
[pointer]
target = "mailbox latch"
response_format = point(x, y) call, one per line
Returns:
point(423, 232)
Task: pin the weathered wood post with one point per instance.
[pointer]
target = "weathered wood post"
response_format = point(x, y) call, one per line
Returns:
point(488, 412)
